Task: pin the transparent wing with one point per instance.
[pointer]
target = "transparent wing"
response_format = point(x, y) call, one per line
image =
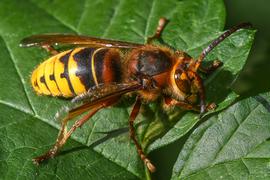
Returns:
point(55, 39)
point(95, 96)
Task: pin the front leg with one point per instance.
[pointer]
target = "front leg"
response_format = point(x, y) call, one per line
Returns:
point(132, 117)
point(210, 69)
point(168, 103)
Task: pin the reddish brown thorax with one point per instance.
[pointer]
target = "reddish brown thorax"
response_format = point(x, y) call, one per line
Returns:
point(150, 61)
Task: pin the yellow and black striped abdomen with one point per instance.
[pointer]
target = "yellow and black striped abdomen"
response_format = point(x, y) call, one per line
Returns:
point(73, 72)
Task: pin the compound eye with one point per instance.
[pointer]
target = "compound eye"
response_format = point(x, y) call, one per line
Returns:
point(177, 75)
point(182, 82)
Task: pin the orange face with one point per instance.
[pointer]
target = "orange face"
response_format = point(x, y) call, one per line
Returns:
point(181, 84)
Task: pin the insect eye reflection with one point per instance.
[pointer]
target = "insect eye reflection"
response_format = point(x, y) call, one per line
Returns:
point(182, 81)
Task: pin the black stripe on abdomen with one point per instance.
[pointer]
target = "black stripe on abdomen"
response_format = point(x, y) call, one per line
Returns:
point(83, 59)
point(64, 59)
point(99, 64)
point(42, 80)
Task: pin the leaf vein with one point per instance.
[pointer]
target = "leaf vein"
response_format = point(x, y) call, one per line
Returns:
point(193, 148)
point(20, 76)
point(234, 132)
point(112, 19)
point(19, 174)
point(209, 167)
point(15, 107)
point(242, 160)
point(92, 130)
point(82, 15)
point(56, 18)
point(150, 16)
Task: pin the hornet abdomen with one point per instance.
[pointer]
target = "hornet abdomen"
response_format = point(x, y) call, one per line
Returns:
point(73, 72)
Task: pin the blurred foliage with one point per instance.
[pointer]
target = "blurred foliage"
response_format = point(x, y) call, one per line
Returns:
point(254, 78)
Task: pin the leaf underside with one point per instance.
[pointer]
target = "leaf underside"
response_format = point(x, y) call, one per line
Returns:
point(28, 127)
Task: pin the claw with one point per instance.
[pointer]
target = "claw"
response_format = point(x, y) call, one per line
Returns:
point(149, 165)
point(203, 108)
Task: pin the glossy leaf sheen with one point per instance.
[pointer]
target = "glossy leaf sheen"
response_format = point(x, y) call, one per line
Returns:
point(231, 145)
point(27, 120)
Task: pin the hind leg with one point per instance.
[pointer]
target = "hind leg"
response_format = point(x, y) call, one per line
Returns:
point(50, 49)
point(161, 25)
point(64, 134)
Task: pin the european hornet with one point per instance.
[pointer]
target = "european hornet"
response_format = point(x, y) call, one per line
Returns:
point(99, 71)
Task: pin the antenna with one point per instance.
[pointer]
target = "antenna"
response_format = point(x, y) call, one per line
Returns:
point(218, 40)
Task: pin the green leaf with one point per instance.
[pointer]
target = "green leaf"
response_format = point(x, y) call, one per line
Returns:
point(233, 53)
point(27, 120)
point(233, 144)
point(24, 136)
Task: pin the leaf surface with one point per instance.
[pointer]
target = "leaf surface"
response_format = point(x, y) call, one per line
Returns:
point(28, 127)
point(231, 145)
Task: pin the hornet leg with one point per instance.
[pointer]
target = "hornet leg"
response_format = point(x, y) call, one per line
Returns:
point(132, 117)
point(64, 134)
point(208, 70)
point(199, 84)
point(50, 49)
point(161, 25)
point(169, 102)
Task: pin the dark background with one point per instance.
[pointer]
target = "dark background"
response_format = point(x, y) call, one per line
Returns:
point(253, 80)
